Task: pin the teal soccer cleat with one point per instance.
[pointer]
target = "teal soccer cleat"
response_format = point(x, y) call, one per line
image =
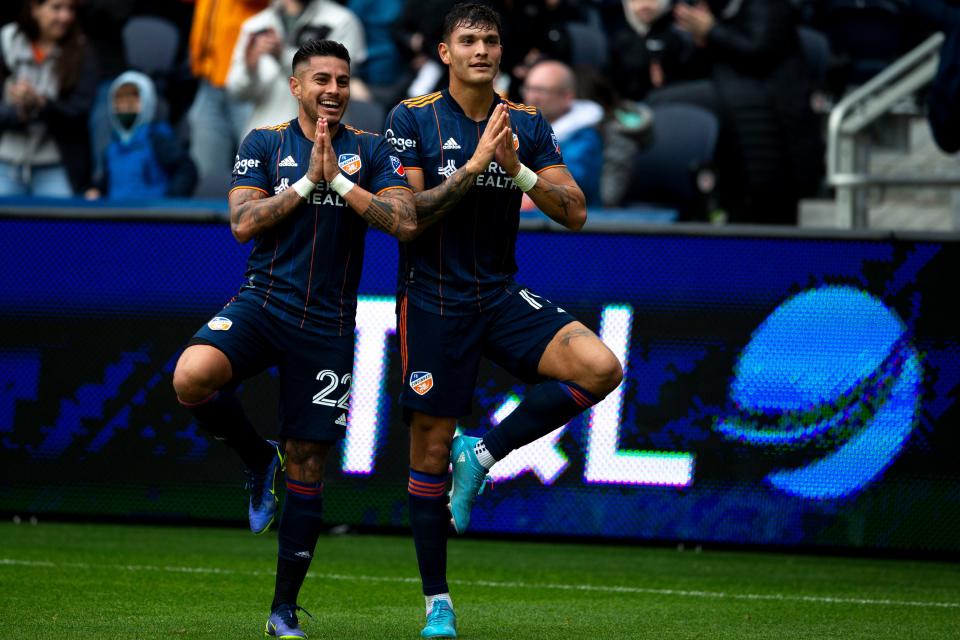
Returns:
point(283, 623)
point(263, 492)
point(441, 621)
point(469, 480)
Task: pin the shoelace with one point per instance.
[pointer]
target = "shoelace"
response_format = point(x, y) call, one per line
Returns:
point(288, 613)
point(441, 612)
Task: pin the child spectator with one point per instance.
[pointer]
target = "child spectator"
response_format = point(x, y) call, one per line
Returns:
point(144, 159)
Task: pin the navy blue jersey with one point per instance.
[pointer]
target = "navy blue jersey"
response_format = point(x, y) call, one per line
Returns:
point(305, 271)
point(464, 262)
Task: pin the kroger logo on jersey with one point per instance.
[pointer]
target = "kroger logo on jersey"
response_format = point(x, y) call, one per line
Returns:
point(240, 167)
point(350, 163)
point(400, 144)
point(421, 382)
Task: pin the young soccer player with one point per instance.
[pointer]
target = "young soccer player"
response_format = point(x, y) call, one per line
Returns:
point(305, 192)
point(469, 157)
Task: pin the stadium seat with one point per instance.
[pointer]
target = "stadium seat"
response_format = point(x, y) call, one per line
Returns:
point(588, 45)
point(675, 169)
point(150, 44)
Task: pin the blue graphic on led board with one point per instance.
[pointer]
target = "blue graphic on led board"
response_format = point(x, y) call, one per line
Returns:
point(832, 368)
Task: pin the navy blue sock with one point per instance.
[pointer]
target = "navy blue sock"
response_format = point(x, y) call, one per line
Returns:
point(222, 416)
point(430, 521)
point(550, 405)
point(300, 527)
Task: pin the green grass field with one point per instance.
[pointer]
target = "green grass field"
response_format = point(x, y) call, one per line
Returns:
point(97, 581)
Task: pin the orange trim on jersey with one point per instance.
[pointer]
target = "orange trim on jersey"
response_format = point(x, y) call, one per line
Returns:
point(422, 101)
point(243, 186)
point(402, 331)
point(396, 187)
point(274, 127)
point(406, 168)
point(361, 131)
point(521, 107)
point(552, 166)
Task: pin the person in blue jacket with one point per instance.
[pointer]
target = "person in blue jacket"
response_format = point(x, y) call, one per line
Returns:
point(144, 158)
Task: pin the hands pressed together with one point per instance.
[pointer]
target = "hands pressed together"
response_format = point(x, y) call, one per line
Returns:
point(496, 143)
point(696, 19)
point(323, 159)
point(25, 98)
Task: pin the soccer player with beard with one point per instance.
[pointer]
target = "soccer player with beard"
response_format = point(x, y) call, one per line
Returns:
point(469, 157)
point(305, 191)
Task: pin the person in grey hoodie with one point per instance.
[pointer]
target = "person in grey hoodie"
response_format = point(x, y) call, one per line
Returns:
point(144, 158)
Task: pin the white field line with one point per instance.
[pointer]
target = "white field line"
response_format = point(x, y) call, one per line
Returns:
point(681, 593)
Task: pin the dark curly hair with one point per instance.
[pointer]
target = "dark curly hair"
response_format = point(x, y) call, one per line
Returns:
point(470, 15)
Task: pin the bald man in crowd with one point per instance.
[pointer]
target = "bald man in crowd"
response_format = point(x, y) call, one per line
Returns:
point(550, 86)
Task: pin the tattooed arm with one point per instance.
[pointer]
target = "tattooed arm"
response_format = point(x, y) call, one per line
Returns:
point(252, 212)
point(392, 210)
point(557, 195)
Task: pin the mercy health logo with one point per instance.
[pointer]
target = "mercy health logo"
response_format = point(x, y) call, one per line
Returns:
point(421, 382)
point(397, 166)
point(350, 163)
point(400, 144)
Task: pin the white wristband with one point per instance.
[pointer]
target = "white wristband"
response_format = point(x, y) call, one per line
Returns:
point(341, 184)
point(525, 178)
point(304, 186)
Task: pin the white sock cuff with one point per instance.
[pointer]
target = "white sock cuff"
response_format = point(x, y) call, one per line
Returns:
point(440, 596)
point(483, 456)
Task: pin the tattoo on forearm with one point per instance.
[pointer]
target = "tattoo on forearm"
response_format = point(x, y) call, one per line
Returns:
point(435, 203)
point(258, 213)
point(573, 333)
point(389, 213)
point(560, 198)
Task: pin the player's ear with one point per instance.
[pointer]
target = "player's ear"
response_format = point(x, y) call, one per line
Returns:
point(295, 86)
point(444, 52)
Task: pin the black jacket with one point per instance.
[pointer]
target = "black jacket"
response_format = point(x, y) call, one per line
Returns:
point(67, 119)
point(630, 57)
point(944, 99)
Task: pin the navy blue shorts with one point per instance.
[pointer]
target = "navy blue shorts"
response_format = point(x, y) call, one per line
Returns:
point(440, 355)
point(316, 371)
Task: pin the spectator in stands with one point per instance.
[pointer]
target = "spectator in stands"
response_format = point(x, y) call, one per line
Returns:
point(550, 86)
point(649, 51)
point(384, 70)
point(417, 34)
point(144, 159)
point(49, 79)
point(217, 121)
point(944, 99)
point(770, 148)
point(264, 51)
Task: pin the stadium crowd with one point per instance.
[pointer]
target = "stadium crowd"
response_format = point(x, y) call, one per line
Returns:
point(151, 98)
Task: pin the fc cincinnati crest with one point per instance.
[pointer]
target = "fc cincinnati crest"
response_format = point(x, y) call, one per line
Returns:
point(220, 324)
point(350, 163)
point(397, 165)
point(516, 142)
point(421, 382)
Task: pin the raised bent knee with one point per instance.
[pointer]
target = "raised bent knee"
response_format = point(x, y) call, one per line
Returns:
point(602, 375)
point(200, 372)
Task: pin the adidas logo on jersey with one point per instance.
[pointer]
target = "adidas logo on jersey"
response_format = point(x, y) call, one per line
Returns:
point(288, 162)
point(461, 459)
point(451, 144)
point(342, 420)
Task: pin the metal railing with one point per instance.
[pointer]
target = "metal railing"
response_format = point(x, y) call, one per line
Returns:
point(848, 143)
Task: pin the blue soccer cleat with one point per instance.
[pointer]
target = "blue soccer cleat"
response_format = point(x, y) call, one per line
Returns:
point(283, 623)
point(469, 479)
point(441, 621)
point(263, 492)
